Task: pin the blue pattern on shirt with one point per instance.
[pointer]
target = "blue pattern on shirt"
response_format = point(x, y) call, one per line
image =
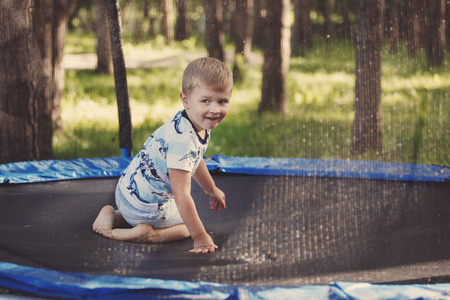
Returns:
point(174, 145)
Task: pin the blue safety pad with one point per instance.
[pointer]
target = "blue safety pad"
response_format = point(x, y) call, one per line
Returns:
point(69, 285)
point(51, 170)
point(332, 168)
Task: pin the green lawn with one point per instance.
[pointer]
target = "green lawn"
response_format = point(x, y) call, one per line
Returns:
point(415, 104)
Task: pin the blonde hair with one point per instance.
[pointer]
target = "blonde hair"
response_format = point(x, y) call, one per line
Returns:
point(208, 72)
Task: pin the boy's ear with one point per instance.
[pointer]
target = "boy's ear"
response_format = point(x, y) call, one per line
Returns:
point(184, 100)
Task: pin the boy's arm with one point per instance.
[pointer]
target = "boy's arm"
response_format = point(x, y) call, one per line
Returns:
point(181, 186)
point(206, 182)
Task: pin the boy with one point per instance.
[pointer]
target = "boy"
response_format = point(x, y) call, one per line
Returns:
point(153, 194)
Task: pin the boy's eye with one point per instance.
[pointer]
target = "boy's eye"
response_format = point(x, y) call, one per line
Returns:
point(205, 101)
point(223, 101)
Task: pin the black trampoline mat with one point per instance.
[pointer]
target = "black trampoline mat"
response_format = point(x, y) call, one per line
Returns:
point(276, 230)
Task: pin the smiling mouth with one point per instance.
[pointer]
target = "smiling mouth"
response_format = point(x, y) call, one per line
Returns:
point(212, 118)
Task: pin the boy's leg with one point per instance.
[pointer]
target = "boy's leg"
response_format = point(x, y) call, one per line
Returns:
point(144, 233)
point(107, 219)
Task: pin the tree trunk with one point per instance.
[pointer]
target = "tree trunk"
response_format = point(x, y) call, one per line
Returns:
point(242, 33)
point(259, 20)
point(435, 39)
point(447, 23)
point(276, 57)
point(392, 11)
point(413, 27)
point(61, 9)
point(50, 21)
point(151, 19)
point(167, 21)
point(183, 26)
point(367, 126)
point(104, 56)
point(26, 81)
point(301, 35)
point(215, 36)
point(242, 28)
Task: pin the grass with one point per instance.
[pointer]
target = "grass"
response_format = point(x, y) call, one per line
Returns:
point(320, 92)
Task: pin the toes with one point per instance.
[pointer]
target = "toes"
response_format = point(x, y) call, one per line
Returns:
point(204, 250)
point(102, 231)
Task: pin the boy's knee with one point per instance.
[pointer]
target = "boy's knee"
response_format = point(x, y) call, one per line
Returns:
point(108, 208)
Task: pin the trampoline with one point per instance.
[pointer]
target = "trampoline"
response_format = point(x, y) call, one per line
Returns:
point(292, 227)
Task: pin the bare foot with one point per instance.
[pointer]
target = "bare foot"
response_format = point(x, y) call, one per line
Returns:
point(104, 223)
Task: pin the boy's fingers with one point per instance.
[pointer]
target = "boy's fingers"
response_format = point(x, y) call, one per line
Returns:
point(216, 205)
point(211, 249)
point(208, 249)
point(213, 204)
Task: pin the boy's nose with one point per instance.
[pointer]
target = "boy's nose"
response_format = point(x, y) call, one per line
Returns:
point(214, 108)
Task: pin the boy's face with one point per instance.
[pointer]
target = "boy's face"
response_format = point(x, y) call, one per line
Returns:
point(205, 107)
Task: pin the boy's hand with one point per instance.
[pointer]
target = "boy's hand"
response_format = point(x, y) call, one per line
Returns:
point(204, 244)
point(217, 200)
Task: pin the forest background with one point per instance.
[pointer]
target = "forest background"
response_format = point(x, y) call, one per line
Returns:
point(314, 118)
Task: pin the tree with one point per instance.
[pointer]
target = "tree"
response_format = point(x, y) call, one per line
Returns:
point(215, 36)
point(242, 34)
point(392, 24)
point(435, 39)
point(367, 125)
point(183, 25)
point(276, 57)
point(61, 12)
point(412, 27)
point(150, 18)
point(447, 22)
point(167, 21)
point(104, 56)
point(259, 20)
point(31, 76)
point(301, 34)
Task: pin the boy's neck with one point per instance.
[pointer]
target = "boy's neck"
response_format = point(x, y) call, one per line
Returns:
point(202, 134)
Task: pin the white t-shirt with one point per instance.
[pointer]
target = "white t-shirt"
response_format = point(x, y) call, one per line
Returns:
point(175, 145)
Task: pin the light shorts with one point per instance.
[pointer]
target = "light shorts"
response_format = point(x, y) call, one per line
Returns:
point(137, 212)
